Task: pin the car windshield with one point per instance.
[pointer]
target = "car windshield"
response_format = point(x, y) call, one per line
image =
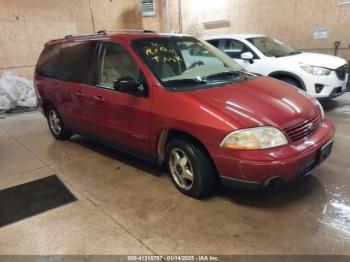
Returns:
point(271, 47)
point(186, 62)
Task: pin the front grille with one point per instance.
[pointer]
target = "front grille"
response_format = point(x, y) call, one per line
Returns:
point(304, 128)
point(342, 71)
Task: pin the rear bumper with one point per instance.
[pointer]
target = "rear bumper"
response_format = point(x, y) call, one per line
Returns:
point(39, 104)
point(254, 169)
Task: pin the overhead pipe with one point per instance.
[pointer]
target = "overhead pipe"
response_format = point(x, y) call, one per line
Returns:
point(179, 15)
point(336, 47)
point(166, 15)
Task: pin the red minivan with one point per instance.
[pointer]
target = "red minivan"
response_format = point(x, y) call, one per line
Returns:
point(178, 100)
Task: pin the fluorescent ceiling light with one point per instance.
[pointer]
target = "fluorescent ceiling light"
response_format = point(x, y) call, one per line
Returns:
point(344, 4)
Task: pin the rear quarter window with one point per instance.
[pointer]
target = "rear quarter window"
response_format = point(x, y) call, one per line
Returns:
point(69, 62)
point(48, 61)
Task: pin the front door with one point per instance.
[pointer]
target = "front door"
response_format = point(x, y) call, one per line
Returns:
point(123, 119)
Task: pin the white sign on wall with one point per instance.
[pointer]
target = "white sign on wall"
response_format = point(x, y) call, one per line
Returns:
point(321, 32)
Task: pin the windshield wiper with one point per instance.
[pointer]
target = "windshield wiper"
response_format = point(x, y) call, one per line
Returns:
point(193, 81)
point(224, 74)
point(294, 52)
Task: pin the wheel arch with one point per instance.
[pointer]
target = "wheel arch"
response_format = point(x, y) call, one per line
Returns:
point(167, 134)
point(45, 105)
point(281, 74)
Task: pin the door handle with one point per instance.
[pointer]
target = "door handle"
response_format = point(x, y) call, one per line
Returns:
point(98, 99)
point(79, 94)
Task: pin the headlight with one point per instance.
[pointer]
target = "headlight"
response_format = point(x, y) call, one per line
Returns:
point(321, 109)
point(254, 138)
point(315, 70)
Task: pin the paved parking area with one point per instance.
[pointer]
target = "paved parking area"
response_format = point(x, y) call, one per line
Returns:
point(127, 206)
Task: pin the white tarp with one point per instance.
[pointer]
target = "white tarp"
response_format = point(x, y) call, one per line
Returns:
point(16, 91)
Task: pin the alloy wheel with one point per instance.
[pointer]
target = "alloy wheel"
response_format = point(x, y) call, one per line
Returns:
point(55, 122)
point(181, 168)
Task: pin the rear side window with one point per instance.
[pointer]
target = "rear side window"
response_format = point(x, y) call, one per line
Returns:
point(214, 42)
point(69, 62)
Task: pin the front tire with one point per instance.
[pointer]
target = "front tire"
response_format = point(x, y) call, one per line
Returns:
point(190, 168)
point(291, 81)
point(57, 128)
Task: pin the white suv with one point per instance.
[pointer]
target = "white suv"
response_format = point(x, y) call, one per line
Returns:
point(322, 76)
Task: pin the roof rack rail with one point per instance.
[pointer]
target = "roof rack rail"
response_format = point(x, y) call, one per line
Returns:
point(87, 35)
point(125, 30)
point(104, 32)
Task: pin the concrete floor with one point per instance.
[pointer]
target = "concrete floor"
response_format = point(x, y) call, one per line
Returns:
point(127, 206)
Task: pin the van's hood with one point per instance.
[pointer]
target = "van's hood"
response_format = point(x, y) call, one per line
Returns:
point(258, 102)
point(314, 59)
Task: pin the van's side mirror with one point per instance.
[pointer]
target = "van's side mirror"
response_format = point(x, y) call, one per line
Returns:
point(130, 86)
point(248, 56)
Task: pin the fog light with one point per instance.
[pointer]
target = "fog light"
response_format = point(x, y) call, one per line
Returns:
point(318, 88)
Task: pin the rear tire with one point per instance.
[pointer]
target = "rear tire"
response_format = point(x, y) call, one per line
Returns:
point(190, 168)
point(56, 125)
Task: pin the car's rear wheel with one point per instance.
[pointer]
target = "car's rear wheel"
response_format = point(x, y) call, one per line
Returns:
point(190, 168)
point(56, 125)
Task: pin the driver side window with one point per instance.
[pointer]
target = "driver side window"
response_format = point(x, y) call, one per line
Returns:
point(114, 63)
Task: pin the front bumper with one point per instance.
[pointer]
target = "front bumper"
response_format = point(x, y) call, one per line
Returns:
point(335, 93)
point(254, 168)
point(332, 86)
